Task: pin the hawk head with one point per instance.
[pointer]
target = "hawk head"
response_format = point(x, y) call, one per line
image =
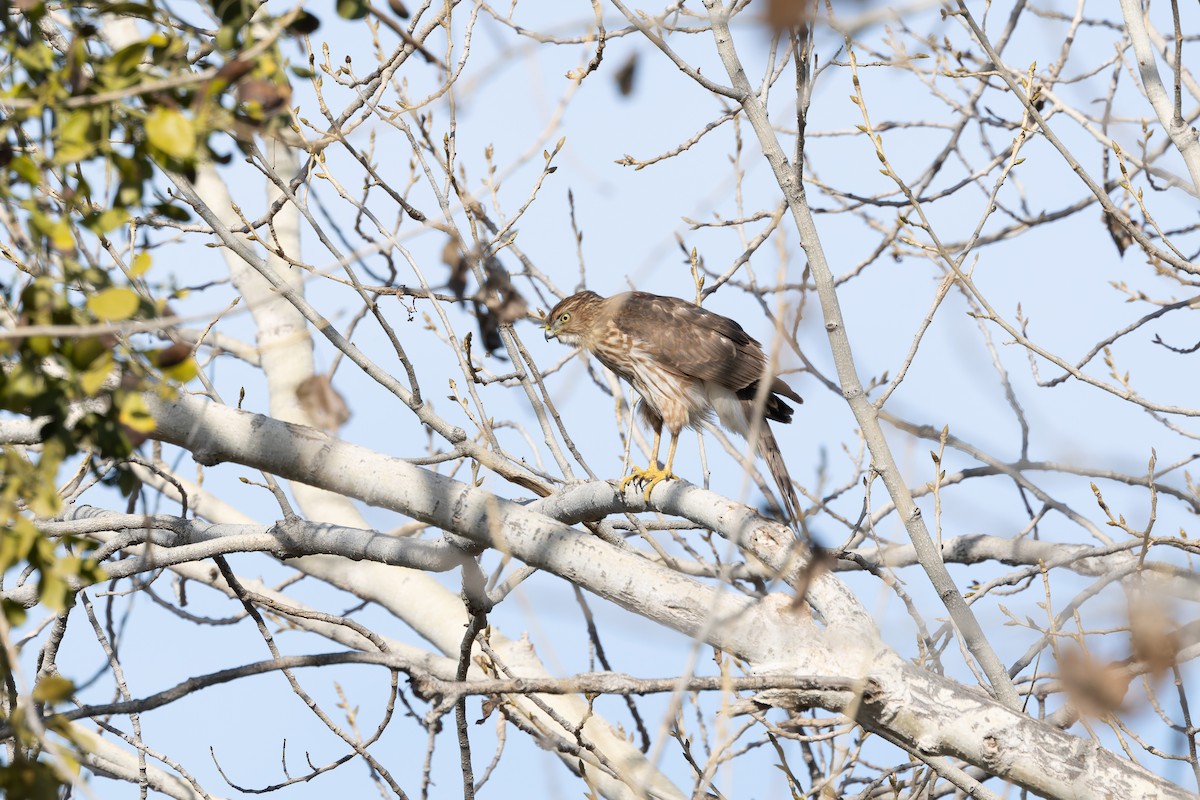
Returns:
point(570, 320)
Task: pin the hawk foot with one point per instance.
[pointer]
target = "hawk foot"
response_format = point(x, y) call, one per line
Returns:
point(651, 476)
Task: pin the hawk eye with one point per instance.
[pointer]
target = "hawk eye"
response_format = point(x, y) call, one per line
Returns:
point(564, 318)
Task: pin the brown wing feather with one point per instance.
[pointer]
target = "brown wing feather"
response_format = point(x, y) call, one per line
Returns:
point(689, 340)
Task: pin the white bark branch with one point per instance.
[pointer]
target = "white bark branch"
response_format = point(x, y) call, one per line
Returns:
point(920, 711)
point(1182, 136)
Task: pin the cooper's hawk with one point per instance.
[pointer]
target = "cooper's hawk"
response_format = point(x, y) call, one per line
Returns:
point(686, 363)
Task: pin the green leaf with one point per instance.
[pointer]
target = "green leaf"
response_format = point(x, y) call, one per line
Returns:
point(352, 9)
point(21, 387)
point(74, 127)
point(114, 304)
point(305, 23)
point(26, 170)
point(171, 133)
point(228, 37)
point(125, 62)
point(173, 212)
point(13, 612)
point(91, 572)
point(84, 351)
point(140, 10)
point(36, 57)
point(233, 12)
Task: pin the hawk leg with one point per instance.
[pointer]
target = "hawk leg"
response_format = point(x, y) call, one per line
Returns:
point(652, 475)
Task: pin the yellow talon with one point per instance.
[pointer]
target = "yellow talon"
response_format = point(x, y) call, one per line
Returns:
point(651, 476)
point(655, 476)
point(634, 475)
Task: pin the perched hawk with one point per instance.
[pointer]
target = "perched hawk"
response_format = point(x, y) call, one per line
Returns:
point(686, 363)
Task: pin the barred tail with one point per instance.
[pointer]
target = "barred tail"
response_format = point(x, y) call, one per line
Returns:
point(769, 449)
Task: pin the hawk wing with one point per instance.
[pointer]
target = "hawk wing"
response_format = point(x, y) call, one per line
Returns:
point(689, 341)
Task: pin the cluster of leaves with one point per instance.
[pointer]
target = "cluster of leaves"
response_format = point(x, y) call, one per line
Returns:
point(86, 127)
point(100, 97)
point(88, 397)
point(79, 104)
point(28, 776)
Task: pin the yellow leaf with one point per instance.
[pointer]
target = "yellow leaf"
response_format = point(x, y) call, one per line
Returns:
point(182, 372)
point(52, 592)
point(61, 238)
point(16, 544)
point(113, 304)
point(141, 263)
point(74, 128)
point(107, 220)
point(53, 689)
point(46, 503)
point(93, 380)
point(26, 169)
point(40, 345)
point(172, 133)
point(135, 414)
point(74, 142)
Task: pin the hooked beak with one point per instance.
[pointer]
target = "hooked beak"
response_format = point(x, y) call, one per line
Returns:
point(549, 334)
